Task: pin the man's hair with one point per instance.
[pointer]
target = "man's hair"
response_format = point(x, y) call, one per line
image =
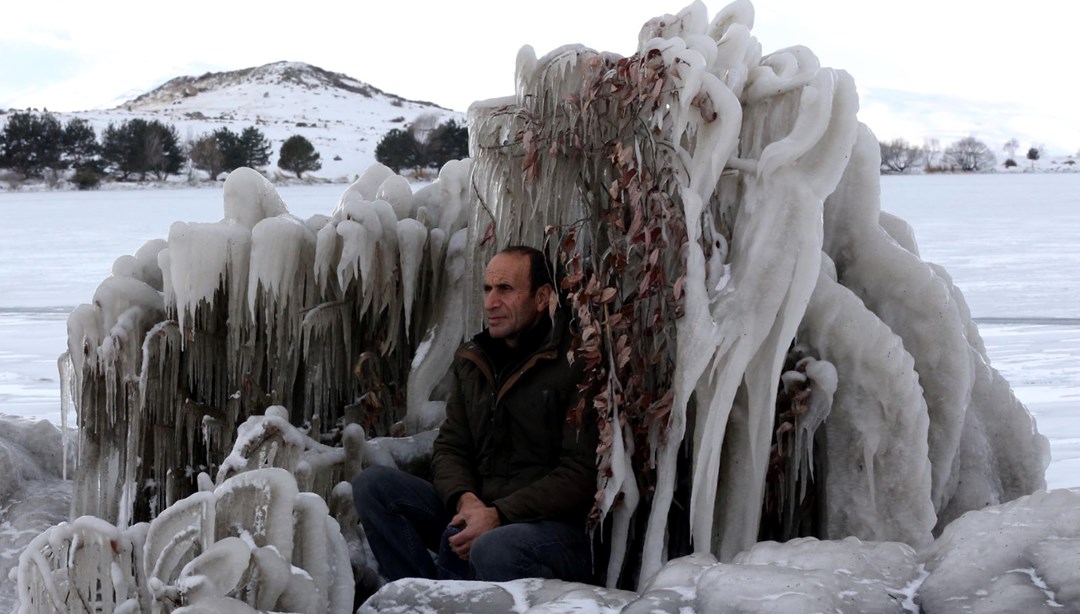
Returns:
point(539, 275)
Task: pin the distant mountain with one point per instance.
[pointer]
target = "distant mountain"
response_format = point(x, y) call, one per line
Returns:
point(343, 117)
point(249, 88)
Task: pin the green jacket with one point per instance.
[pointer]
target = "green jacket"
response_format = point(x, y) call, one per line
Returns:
point(507, 440)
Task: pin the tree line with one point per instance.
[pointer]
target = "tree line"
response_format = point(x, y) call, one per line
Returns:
point(423, 144)
point(966, 155)
point(33, 145)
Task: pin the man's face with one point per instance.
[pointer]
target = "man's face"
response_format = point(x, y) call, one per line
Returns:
point(510, 306)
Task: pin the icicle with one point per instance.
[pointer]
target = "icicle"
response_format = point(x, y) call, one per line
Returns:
point(202, 258)
point(355, 249)
point(282, 258)
point(282, 265)
point(327, 253)
point(69, 386)
point(626, 483)
point(412, 237)
point(445, 334)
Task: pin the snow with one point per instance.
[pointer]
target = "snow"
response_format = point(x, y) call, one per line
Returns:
point(806, 259)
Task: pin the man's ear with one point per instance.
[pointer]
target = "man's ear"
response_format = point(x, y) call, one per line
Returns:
point(543, 297)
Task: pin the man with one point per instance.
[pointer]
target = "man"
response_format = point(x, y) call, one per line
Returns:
point(513, 479)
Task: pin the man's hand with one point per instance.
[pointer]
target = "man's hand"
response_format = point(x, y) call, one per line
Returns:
point(475, 519)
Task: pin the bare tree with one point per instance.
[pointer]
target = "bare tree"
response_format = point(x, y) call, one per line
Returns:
point(969, 154)
point(932, 149)
point(421, 130)
point(898, 155)
point(1010, 148)
point(206, 155)
point(422, 126)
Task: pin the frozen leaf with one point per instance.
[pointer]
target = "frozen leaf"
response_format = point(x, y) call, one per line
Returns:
point(489, 235)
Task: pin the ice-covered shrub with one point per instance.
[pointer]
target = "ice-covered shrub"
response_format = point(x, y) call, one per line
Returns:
point(195, 333)
point(715, 205)
point(252, 540)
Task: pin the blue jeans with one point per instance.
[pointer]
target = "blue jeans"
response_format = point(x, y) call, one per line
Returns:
point(404, 519)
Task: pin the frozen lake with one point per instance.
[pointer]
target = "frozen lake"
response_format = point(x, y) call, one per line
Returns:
point(1009, 241)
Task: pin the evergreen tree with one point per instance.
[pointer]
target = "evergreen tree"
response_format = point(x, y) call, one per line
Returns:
point(298, 155)
point(1033, 154)
point(118, 153)
point(448, 142)
point(423, 147)
point(225, 151)
point(141, 147)
point(398, 150)
point(31, 143)
point(80, 146)
point(232, 154)
point(255, 147)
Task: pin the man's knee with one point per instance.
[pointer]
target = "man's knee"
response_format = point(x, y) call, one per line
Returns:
point(496, 558)
point(368, 486)
point(489, 552)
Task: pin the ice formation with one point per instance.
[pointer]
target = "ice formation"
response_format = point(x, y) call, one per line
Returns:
point(784, 257)
point(195, 334)
point(817, 368)
point(250, 538)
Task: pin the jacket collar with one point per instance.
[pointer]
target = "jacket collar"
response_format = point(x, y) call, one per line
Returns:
point(479, 349)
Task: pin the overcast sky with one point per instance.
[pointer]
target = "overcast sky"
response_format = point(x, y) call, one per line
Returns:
point(75, 55)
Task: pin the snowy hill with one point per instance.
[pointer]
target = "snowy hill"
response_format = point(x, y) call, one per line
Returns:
point(343, 117)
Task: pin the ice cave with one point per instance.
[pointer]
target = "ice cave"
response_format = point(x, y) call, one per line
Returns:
point(798, 413)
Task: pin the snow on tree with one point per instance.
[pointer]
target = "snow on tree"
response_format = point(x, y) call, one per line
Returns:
point(768, 352)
